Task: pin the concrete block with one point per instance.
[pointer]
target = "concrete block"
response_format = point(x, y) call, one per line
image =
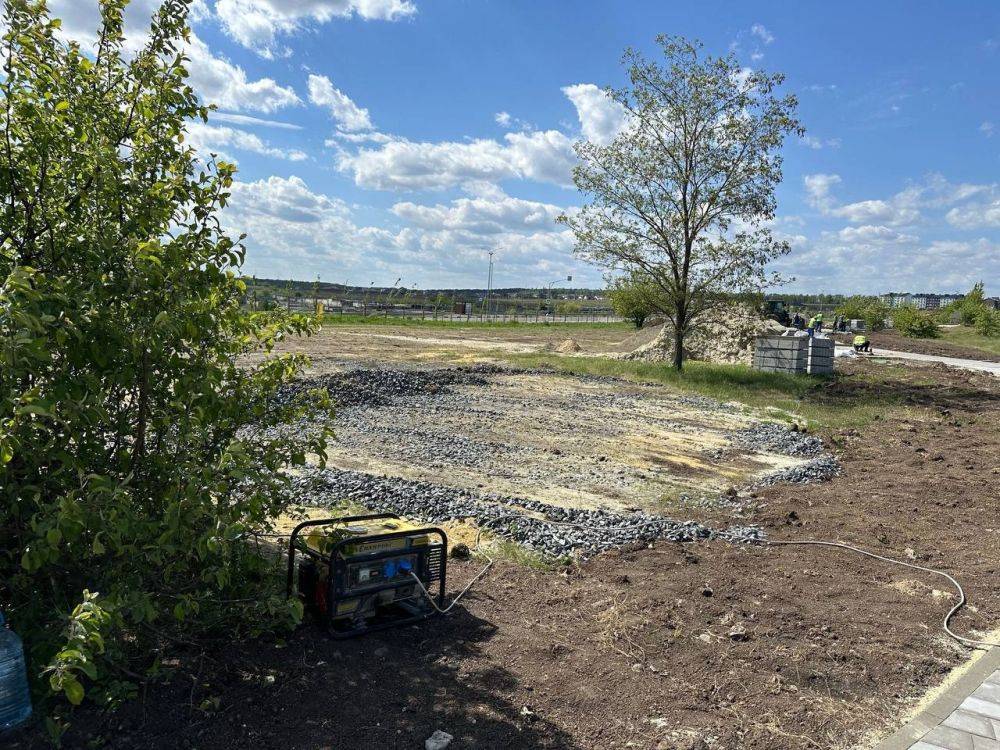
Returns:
point(980, 706)
point(971, 723)
point(988, 691)
point(952, 739)
point(778, 356)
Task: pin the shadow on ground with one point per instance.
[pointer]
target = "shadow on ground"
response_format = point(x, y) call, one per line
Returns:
point(391, 689)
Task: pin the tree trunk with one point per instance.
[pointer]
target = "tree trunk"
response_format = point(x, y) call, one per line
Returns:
point(678, 347)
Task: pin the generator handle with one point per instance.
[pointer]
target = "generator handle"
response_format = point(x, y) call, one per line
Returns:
point(289, 581)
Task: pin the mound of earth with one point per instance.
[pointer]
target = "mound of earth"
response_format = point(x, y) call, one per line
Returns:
point(569, 345)
point(725, 337)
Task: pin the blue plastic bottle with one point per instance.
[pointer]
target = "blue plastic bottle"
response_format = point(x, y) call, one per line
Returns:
point(15, 699)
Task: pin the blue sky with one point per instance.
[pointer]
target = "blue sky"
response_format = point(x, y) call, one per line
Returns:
point(379, 139)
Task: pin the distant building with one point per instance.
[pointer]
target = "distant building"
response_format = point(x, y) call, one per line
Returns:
point(921, 301)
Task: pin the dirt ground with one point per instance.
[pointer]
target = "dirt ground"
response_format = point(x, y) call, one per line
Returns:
point(560, 440)
point(892, 340)
point(337, 344)
point(671, 646)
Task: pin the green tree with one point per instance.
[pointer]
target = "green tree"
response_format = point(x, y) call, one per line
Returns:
point(684, 192)
point(636, 298)
point(987, 321)
point(136, 461)
point(915, 323)
point(970, 306)
point(871, 310)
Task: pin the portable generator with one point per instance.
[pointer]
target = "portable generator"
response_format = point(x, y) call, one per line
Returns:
point(356, 573)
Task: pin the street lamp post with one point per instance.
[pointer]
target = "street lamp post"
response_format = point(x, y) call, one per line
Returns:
point(552, 310)
point(489, 286)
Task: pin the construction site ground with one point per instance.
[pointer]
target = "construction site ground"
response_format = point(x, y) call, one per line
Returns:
point(684, 646)
point(895, 341)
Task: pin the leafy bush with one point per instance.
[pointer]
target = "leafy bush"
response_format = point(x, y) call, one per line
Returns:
point(915, 324)
point(871, 310)
point(635, 297)
point(988, 322)
point(136, 468)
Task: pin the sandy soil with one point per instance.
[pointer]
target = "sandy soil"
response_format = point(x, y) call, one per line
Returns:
point(673, 646)
point(561, 440)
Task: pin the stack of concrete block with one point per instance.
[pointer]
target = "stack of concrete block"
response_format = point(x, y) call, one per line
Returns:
point(794, 354)
point(781, 354)
point(821, 353)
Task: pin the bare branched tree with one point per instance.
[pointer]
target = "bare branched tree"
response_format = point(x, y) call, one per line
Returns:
point(685, 192)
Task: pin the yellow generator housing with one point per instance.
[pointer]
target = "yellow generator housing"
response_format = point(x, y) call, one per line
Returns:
point(360, 573)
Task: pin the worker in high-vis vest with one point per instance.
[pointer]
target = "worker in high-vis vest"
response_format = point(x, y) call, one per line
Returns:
point(811, 327)
point(862, 344)
point(819, 322)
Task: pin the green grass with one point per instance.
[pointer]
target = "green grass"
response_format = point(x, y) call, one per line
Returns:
point(785, 397)
point(504, 549)
point(381, 320)
point(967, 336)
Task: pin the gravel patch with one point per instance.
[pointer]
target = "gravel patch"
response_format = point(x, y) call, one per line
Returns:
point(819, 469)
point(387, 409)
point(771, 437)
point(558, 532)
point(368, 387)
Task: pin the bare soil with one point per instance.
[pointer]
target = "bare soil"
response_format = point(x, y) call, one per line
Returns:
point(895, 341)
point(337, 344)
point(671, 646)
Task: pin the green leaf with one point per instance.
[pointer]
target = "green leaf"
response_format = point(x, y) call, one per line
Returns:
point(62, 106)
point(53, 536)
point(98, 546)
point(74, 691)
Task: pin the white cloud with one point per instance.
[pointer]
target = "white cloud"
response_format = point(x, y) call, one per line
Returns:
point(544, 156)
point(816, 143)
point(220, 82)
point(503, 119)
point(874, 234)
point(987, 129)
point(761, 32)
point(293, 231)
point(257, 24)
point(253, 121)
point(601, 118)
point(900, 210)
point(876, 210)
point(493, 213)
point(975, 216)
point(876, 267)
point(348, 115)
point(216, 80)
point(371, 136)
point(818, 187)
point(210, 138)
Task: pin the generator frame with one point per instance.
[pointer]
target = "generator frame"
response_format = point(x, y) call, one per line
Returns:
point(337, 570)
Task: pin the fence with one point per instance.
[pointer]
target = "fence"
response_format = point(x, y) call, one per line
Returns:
point(442, 313)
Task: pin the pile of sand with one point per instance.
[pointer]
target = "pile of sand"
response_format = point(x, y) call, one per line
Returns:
point(568, 346)
point(725, 336)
